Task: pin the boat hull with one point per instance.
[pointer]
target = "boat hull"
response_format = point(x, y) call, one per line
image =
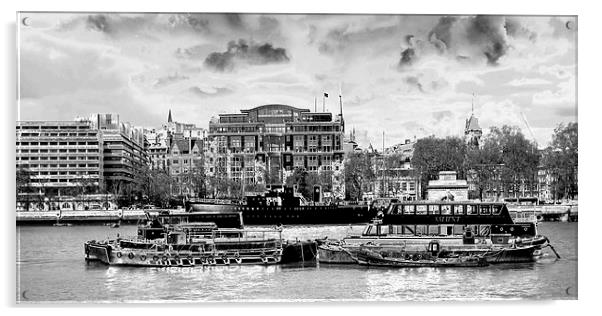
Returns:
point(348, 254)
point(309, 214)
point(369, 258)
point(116, 256)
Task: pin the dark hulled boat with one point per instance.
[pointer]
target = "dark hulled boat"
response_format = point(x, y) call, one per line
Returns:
point(443, 229)
point(275, 208)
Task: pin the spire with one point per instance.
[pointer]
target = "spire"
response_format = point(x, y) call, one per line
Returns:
point(169, 120)
point(472, 104)
point(341, 100)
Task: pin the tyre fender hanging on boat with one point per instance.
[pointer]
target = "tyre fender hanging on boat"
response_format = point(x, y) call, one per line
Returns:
point(118, 254)
point(142, 257)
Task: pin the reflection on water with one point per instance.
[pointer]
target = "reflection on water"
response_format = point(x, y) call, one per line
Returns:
point(51, 267)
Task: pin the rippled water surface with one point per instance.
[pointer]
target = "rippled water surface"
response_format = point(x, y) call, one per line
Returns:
point(51, 267)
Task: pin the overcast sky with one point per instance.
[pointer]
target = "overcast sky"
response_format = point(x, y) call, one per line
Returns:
point(405, 75)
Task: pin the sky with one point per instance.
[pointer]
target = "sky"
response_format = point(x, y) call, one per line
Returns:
point(405, 75)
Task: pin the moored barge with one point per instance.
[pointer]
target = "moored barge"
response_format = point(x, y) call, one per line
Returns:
point(176, 241)
point(441, 230)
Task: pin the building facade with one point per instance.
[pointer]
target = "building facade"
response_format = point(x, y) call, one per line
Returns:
point(75, 158)
point(447, 187)
point(395, 176)
point(266, 143)
point(59, 156)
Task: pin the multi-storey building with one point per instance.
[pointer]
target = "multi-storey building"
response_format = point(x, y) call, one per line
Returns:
point(60, 156)
point(87, 155)
point(158, 148)
point(123, 149)
point(395, 176)
point(265, 143)
point(185, 161)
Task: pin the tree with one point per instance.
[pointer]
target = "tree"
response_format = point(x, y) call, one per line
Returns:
point(23, 183)
point(358, 172)
point(519, 157)
point(561, 160)
point(160, 187)
point(433, 154)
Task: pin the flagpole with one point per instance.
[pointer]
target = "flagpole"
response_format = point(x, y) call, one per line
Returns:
point(323, 103)
point(315, 104)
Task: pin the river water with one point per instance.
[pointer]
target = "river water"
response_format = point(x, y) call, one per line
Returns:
point(51, 268)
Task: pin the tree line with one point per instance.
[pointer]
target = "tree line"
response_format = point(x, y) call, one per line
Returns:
point(505, 161)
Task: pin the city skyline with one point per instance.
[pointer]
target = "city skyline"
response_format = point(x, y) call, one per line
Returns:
point(422, 69)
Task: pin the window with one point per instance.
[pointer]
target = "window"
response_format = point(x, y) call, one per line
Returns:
point(446, 209)
point(312, 163)
point(497, 209)
point(298, 162)
point(326, 143)
point(433, 209)
point(472, 210)
point(420, 209)
point(408, 209)
point(298, 143)
point(312, 143)
point(485, 210)
point(458, 210)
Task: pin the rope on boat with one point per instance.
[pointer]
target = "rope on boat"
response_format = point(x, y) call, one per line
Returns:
point(552, 247)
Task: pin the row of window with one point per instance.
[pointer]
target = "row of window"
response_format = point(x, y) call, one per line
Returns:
point(35, 180)
point(80, 134)
point(420, 230)
point(93, 158)
point(64, 173)
point(81, 165)
point(43, 151)
point(445, 209)
point(58, 127)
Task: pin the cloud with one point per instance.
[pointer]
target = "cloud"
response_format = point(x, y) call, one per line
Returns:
point(195, 52)
point(440, 115)
point(466, 38)
point(242, 52)
point(210, 92)
point(169, 79)
point(528, 82)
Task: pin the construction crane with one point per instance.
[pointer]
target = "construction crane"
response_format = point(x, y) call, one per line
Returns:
point(529, 128)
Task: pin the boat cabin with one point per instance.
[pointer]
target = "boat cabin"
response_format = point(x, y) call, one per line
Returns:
point(441, 219)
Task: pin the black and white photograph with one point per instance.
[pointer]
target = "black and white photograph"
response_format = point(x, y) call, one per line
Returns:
point(248, 157)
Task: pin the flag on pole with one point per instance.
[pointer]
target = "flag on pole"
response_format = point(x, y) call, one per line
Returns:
point(325, 95)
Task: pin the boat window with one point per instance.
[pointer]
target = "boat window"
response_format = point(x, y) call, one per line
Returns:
point(485, 209)
point(471, 210)
point(395, 230)
point(408, 209)
point(421, 229)
point(370, 231)
point(458, 229)
point(458, 210)
point(396, 209)
point(409, 230)
point(497, 209)
point(420, 209)
point(384, 230)
point(434, 209)
point(433, 229)
point(446, 209)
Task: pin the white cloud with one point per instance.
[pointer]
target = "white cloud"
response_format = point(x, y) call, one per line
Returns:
point(140, 69)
